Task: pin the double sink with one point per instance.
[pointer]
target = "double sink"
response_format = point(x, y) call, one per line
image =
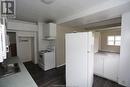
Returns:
point(7, 69)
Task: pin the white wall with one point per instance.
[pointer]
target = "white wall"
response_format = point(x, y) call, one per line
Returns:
point(60, 42)
point(124, 70)
point(96, 41)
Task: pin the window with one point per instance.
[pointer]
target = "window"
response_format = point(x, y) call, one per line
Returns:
point(114, 40)
point(110, 40)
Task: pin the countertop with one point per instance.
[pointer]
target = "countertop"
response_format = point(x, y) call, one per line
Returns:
point(20, 79)
point(107, 52)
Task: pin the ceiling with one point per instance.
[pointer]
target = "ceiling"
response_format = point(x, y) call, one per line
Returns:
point(103, 24)
point(35, 10)
point(108, 13)
point(73, 13)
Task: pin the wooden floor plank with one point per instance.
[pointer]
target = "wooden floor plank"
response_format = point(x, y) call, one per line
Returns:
point(56, 77)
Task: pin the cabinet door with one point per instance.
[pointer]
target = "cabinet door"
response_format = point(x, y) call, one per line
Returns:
point(98, 64)
point(46, 30)
point(52, 31)
point(111, 66)
point(49, 30)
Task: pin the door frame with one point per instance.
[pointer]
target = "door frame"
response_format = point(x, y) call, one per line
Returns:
point(31, 34)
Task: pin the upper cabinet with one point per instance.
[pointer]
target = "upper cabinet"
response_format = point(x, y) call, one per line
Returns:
point(49, 31)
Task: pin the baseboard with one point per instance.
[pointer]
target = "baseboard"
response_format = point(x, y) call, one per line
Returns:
point(109, 51)
point(26, 60)
point(106, 78)
point(122, 83)
point(60, 65)
point(98, 75)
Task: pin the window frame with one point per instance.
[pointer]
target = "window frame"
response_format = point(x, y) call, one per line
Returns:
point(114, 41)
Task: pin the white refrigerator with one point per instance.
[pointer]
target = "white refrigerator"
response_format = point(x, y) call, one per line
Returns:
point(79, 59)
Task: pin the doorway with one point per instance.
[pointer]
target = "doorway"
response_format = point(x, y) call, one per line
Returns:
point(13, 45)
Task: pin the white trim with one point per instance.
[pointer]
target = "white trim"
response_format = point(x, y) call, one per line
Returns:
point(26, 60)
point(34, 36)
point(21, 26)
point(20, 21)
point(105, 77)
point(109, 28)
point(60, 65)
point(14, 30)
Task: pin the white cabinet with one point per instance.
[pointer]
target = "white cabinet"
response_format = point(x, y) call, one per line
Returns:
point(49, 31)
point(79, 59)
point(106, 65)
point(98, 64)
point(111, 67)
point(49, 60)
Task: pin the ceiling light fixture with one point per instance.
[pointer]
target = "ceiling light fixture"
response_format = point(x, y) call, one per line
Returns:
point(48, 1)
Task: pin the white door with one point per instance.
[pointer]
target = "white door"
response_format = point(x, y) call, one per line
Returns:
point(25, 49)
point(78, 61)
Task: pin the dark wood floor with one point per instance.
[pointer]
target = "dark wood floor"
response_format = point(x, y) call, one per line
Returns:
point(48, 78)
point(56, 77)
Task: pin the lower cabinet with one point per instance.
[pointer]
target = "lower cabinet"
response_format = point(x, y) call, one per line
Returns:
point(98, 64)
point(106, 65)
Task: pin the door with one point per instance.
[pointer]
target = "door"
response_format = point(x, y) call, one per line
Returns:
point(25, 49)
point(77, 60)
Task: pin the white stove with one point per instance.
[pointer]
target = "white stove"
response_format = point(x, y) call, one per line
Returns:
point(47, 59)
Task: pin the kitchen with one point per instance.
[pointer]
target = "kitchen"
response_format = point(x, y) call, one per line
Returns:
point(34, 52)
point(49, 49)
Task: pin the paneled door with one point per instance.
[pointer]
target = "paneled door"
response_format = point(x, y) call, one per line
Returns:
point(25, 48)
